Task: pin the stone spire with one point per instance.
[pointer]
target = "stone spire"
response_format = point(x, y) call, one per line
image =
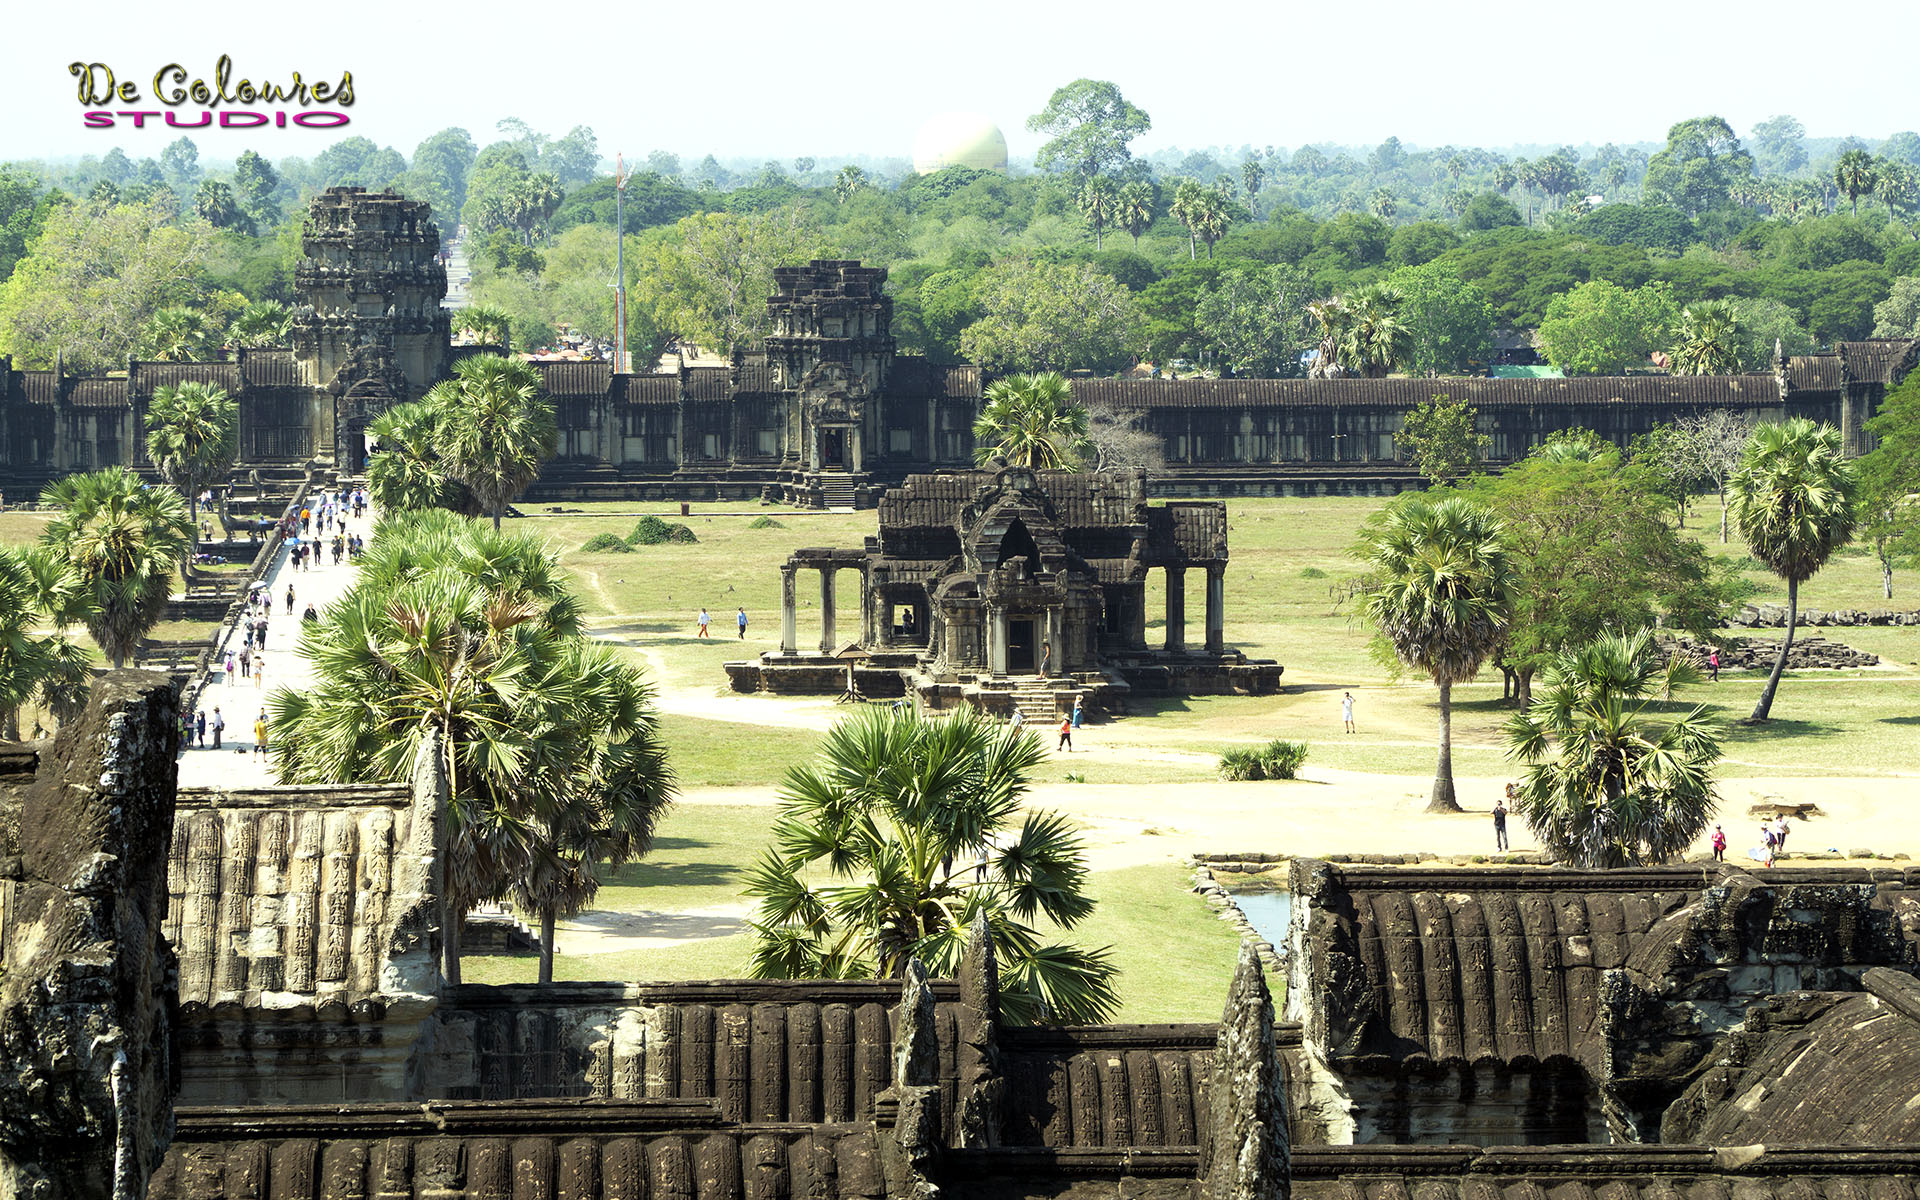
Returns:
point(1248, 1150)
point(982, 1084)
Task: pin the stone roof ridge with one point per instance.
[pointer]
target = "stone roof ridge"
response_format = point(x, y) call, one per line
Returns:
point(1899, 990)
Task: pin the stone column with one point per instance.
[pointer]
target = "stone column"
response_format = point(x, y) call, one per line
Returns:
point(1137, 618)
point(826, 610)
point(855, 449)
point(1176, 609)
point(1055, 637)
point(997, 641)
point(884, 607)
point(1216, 605)
point(813, 453)
point(788, 642)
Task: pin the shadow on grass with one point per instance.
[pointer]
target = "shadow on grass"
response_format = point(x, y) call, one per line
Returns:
point(689, 874)
point(654, 924)
point(1900, 720)
point(1740, 733)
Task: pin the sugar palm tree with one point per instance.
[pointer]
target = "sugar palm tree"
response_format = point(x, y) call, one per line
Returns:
point(1374, 341)
point(469, 635)
point(1135, 209)
point(1709, 339)
point(1189, 207)
point(1438, 600)
point(405, 473)
point(122, 540)
point(37, 587)
point(1854, 174)
point(599, 800)
point(1213, 215)
point(1331, 320)
point(1099, 201)
point(485, 324)
point(1793, 503)
point(191, 438)
point(268, 323)
point(1031, 421)
point(897, 837)
point(1605, 785)
point(495, 428)
point(179, 335)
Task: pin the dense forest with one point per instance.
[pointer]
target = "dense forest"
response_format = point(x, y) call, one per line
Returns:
point(1253, 262)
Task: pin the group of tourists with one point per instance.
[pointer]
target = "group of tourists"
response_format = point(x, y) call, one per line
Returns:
point(1068, 724)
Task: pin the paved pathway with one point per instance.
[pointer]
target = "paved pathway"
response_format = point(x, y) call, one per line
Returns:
point(242, 699)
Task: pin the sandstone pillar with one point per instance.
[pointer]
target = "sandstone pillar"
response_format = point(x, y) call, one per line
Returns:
point(1176, 609)
point(788, 642)
point(1216, 606)
point(826, 610)
point(997, 641)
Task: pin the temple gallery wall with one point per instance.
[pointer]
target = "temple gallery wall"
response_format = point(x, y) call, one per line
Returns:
point(825, 411)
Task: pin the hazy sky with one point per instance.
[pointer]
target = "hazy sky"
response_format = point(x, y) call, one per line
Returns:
point(780, 79)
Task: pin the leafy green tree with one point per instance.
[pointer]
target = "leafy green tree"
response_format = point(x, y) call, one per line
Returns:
point(1599, 328)
point(1771, 325)
point(1437, 596)
point(1605, 785)
point(192, 436)
point(1590, 551)
point(1039, 316)
point(495, 428)
point(1370, 340)
point(1890, 481)
point(357, 162)
point(1190, 204)
point(1449, 318)
point(1701, 160)
point(1136, 208)
point(485, 324)
point(254, 184)
point(1031, 421)
point(1708, 339)
point(494, 189)
point(1442, 437)
point(1099, 202)
point(1088, 123)
point(1854, 175)
point(1255, 320)
point(1489, 210)
point(1252, 176)
point(180, 165)
point(36, 587)
point(91, 281)
point(1382, 203)
point(439, 171)
point(707, 279)
point(1779, 143)
point(1794, 504)
point(901, 836)
point(179, 335)
point(123, 541)
point(849, 182)
point(573, 158)
point(1898, 316)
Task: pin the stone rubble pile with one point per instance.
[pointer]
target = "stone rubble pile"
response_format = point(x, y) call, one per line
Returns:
point(1741, 654)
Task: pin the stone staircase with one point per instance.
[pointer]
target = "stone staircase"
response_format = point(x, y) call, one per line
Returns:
point(836, 490)
point(1034, 699)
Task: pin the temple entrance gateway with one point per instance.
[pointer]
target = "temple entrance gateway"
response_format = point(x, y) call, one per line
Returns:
point(1021, 652)
point(832, 448)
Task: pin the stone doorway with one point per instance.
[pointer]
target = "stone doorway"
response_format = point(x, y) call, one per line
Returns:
point(1021, 648)
point(833, 451)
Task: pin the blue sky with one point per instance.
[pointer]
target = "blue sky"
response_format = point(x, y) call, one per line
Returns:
point(751, 78)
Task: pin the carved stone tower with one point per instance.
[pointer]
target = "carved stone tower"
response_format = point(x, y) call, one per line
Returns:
point(831, 348)
point(368, 328)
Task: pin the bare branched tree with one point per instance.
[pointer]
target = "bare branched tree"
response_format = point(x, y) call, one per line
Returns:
point(1715, 439)
point(1119, 441)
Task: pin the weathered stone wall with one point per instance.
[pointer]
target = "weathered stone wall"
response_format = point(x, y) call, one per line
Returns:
point(86, 1023)
point(1774, 616)
point(1758, 654)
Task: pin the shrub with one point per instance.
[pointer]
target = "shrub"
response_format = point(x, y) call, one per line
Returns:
point(652, 531)
point(1276, 760)
point(606, 543)
point(765, 523)
point(1313, 573)
point(1282, 759)
point(1240, 765)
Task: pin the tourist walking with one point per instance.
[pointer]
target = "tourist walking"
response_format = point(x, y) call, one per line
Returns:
point(702, 621)
point(260, 736)
point(289, 599)
point(1076, 712)
point(219, 723)
point(1713, 666)
point(1016, 720)
point(1066, 735)
point(1719, 844)
point(260, 670)
point(1346, 711)
point(1780, 833)
point(246, 660)
point(200, 729)
point(1500, 821)
point(1046, 658)
point(741, 620)
point(229, 668)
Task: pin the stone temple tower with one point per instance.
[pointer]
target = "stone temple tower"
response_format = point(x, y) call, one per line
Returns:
point(831, 348)
point(368, 329)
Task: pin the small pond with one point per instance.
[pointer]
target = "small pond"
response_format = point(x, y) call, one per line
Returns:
point(1268, 913)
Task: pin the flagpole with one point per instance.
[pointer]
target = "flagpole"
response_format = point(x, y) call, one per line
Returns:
point(620, 363)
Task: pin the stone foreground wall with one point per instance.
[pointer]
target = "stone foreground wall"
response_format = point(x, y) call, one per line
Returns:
point(86, 1026)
